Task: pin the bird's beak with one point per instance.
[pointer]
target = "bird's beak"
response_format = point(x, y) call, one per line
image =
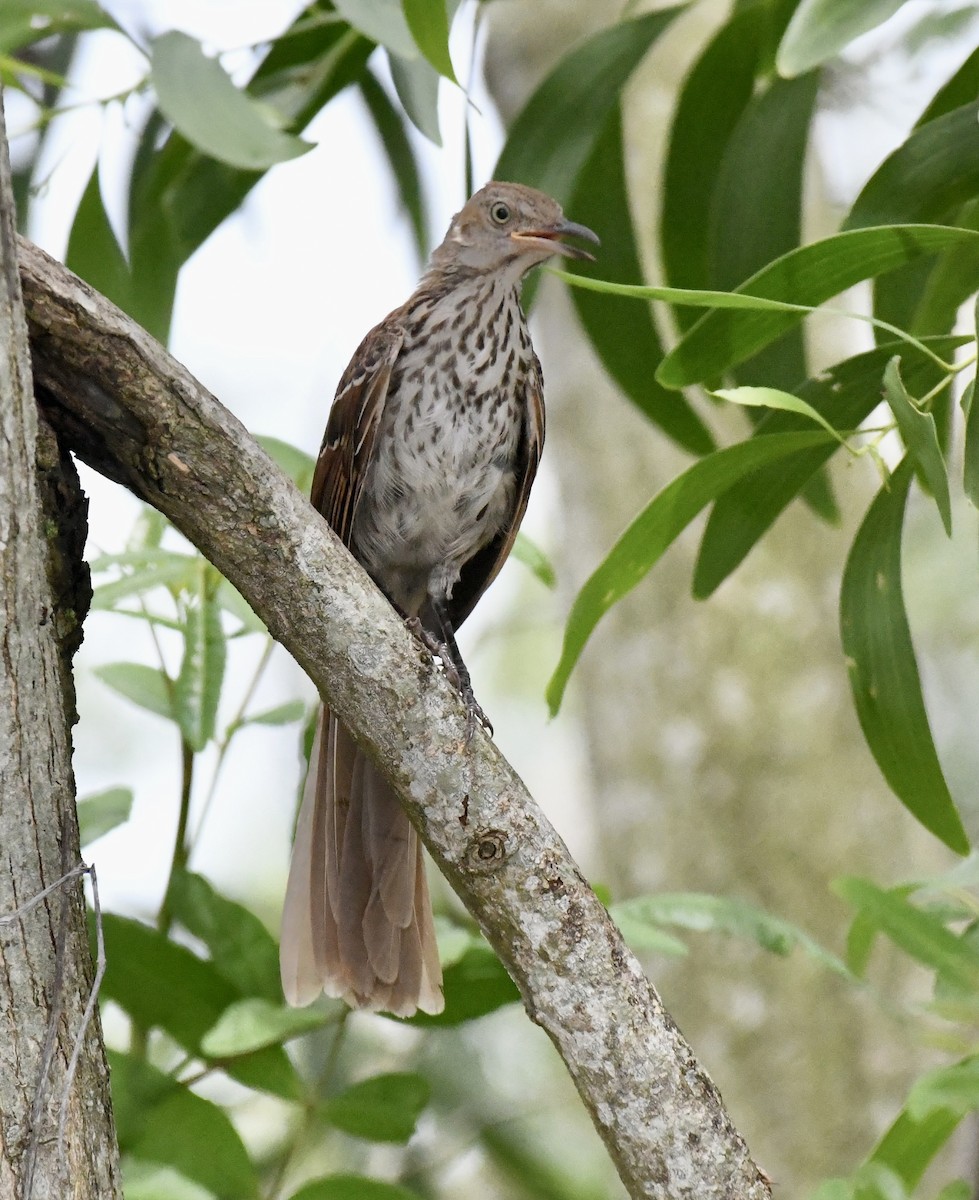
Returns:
point(549, 239)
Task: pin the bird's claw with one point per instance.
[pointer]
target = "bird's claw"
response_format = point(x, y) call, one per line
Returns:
point(458, 678)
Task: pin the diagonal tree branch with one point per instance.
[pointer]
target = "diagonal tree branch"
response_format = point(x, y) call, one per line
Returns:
point(133, 413)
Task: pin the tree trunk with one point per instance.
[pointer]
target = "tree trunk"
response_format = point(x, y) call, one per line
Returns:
point(46, 970)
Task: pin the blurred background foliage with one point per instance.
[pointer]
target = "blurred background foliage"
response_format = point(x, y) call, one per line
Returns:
point(773, 787)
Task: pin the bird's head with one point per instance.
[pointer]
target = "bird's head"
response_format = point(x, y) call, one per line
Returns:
point(510, 228)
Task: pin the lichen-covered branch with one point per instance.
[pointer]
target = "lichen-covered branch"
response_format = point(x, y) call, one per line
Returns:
point(136, 415)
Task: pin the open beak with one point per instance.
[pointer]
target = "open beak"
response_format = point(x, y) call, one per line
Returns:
point(550, 239)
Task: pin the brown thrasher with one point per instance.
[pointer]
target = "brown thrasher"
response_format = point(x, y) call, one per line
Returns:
point(426, 466)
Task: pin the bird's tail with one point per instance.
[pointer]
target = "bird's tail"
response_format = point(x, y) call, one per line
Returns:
point(357, 920)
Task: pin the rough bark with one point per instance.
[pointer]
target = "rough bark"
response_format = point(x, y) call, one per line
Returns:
point(133, 413)
point(45, 962)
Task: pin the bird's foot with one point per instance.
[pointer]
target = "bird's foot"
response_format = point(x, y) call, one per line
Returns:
point(456, 673)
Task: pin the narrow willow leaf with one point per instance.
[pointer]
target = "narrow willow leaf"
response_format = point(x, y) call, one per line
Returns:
point(178, 195)
point(352, 1187)
point(766, 397)
point(100, 813)
point(383, 1108)
point(654, 530)
point(554, 134)
point(400, 153)
point(971, 454)
point(623, 333)
point(709, 106)
point(921, 934)
point(198, 685)
point(417, 84)
point(910, 1146)
point(961, 88)
point(845, 395)
point(181, 1129)
point(282, 714)
point(242, 950)
point(24, 22)
point(148, 687)
point(954, 1088)
point(199, 99)
point(383, 21)
point(882, 667)
point(820, 29)
point(531, 555)
point(702, 913)
point(94, 252)
point(804, 278)
point(643, 935)
point(254, 1024)
point(918, 432)
point(428, 22)
point(930, 174)
point(152, 569)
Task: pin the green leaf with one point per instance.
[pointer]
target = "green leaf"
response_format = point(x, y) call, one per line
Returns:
point(933, 172)
point(820, 29)
point(352, 1187)
point(282, 714)
point(401, 157)
point(178, 196)
point(416, 83)
point(909, 1145)
point(99, 813)
point(954, 1088)
point(242, 950)
point(254, 1024)
point(384, 1108)
point(710, 103)
point(234, 603)
point(919, 435)
point(555, 133)
point(756, 208)
point(161, 1121)
point(962, 88)
point(704, 913)
point(196, 95)
point(531, 555)
point(161, 984)
point(94, 252)
point(805, 277)
point(24, 22)
point(474, 985)
point(621, 331)
point(643, 935)
point(882, 667)
point(766, 397)
point(151, 1181)
point(383, 21)
point(428, 22)
point(198, 686)
point(845, 395)
point(149, 687)
point(292, 461)
point(970, 477)
point(152, 569)
point(654, 530)
point(919, 933)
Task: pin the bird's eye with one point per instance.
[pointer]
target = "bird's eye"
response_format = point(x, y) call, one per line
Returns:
point(500, 212)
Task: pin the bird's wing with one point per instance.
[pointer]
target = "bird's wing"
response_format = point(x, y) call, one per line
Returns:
point(480, 571)
point(352, 428)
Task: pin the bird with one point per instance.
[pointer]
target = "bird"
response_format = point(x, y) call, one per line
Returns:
point(424, 473)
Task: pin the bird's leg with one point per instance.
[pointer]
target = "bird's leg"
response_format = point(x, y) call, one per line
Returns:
point(445, 646)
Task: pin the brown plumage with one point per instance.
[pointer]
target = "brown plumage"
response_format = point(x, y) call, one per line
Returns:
point(425, 471)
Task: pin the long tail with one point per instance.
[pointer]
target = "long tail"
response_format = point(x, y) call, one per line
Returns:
point(357, 920)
